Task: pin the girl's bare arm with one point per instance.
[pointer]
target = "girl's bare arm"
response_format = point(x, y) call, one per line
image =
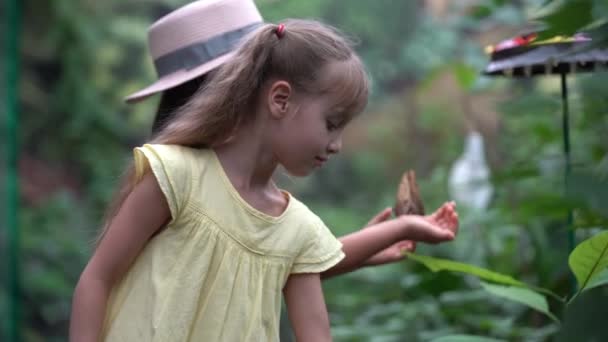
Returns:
point(143, 213)
point(380, 242)
point(306, 308)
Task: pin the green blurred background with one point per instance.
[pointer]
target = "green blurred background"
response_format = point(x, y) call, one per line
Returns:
point(79, 58)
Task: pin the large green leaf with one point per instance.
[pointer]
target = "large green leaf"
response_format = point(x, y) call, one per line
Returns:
point(589, 259)
point(600, 280)
point(521, 295)
point(465, 338)
point(437, 264)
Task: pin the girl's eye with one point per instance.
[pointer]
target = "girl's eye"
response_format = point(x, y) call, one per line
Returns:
point(331, 126)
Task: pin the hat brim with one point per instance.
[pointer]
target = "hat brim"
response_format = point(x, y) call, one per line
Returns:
point(177, 78)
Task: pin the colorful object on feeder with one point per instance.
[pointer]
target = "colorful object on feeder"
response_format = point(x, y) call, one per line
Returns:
point(526, 56)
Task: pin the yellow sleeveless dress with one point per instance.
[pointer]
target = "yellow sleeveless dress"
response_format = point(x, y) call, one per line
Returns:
point(216, 272)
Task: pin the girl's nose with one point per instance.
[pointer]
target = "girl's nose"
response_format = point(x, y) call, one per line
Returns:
point(335, 146)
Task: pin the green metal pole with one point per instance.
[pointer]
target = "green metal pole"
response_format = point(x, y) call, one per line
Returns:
point(567, 166)
point(13, 14)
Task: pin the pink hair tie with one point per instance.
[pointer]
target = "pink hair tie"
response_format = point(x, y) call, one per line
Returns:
point(280, 31)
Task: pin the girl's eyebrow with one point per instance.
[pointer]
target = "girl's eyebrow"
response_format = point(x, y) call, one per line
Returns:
point(338, 112)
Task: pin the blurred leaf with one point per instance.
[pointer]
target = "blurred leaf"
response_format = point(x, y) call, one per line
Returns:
point(466, 75)
point(521, 295)
point(547, 2)
point(599, 36)
point(436, 264)
point(589, 258)
point(465, 338)
point(591, 189)
point(482, 11)
point(568, 18)
point(519, 172)
point(585, 318)
point(551, 205)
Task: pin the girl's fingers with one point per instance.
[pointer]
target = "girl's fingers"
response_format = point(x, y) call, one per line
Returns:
point(380, 217)
point(437, 234)
point(406, 244)
point(445, 217)
point(440, 211)
point(411, 247)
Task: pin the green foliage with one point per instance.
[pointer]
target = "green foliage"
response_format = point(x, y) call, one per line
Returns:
point(517, 288)
point(585, 318)
point(567, 17)
point(81, 57)
point(435, 264)
point(383, 36)
point(522, 295)
point(466, 75)
point(465, 338)
point(589, 259)
point(590, 190)
point(598, 280)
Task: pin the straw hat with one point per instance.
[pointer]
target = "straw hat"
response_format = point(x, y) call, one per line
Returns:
point(195, 39)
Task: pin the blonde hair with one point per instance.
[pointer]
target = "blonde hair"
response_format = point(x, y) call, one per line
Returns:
point(225, 101)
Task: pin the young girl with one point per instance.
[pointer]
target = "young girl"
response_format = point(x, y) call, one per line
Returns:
point(203, 242)
point(178, 85)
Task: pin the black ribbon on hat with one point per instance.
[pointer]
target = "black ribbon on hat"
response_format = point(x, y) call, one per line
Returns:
point(199, 53)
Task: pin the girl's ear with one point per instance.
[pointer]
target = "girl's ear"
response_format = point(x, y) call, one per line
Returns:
point(279, 96)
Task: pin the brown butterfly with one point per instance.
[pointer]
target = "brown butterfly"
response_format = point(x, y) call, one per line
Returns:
point(408, 198)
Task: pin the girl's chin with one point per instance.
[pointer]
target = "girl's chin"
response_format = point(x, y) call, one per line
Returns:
point(301, 172)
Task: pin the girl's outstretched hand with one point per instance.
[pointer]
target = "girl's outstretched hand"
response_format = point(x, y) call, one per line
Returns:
point(445, 217)
point(440, 226)
point(423, 229)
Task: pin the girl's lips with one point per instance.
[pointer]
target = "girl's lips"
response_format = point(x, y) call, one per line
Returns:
point(320, 160)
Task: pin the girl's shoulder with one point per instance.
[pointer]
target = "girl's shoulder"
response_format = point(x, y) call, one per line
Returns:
point(172, 149)
point(176, 168)
point(176, 156)
point(303, 216)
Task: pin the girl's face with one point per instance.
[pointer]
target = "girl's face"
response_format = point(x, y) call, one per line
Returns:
point(309, 134)
point(308, 125)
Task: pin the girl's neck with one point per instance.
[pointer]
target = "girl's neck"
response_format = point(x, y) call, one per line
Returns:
point(247, 161)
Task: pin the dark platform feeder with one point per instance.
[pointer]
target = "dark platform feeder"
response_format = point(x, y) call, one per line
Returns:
point(522, 57)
